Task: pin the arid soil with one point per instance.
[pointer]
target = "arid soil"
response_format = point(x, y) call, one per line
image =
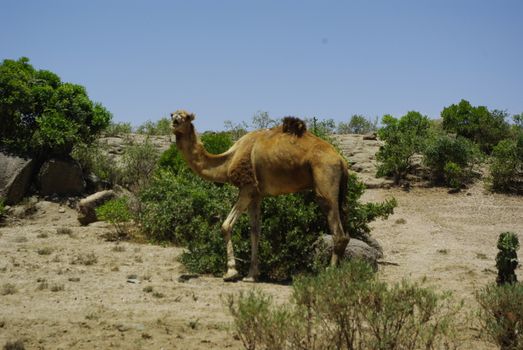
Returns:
point(63, 286)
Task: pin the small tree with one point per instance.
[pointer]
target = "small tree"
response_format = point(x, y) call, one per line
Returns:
point(478, 124)
point(403, 138)
point(116, 212)
point(41, 115)
point(450, 159)
point(506, 168)
point(358, 124)
point(262, 120)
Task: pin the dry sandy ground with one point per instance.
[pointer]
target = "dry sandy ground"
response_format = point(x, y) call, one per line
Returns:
point(59, 301)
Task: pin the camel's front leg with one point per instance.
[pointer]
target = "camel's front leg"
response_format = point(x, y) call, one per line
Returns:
point(241, 205)
point(255, 221)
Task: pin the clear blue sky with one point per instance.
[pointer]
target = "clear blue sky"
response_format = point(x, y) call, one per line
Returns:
point(229, 59)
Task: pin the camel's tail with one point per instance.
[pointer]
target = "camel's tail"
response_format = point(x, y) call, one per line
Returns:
point(342, 195)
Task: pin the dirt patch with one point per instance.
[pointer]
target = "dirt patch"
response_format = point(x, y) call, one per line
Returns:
point(86, 293)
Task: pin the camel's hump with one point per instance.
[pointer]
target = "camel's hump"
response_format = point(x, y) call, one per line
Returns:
point(293, 125)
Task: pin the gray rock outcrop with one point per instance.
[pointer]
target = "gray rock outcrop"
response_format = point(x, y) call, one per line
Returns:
point(15, 177)
point(356, 249)
point(60, 177)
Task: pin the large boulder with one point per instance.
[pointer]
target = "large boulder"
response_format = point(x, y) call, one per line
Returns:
point(87, 206)
point(15, 177)
point(356, 249)
point(61, 177)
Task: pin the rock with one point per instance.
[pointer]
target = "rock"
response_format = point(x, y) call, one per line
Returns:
point(356, 249)
point(87, 206)
point(61, 177)
point(372, 136)
point(15, 177)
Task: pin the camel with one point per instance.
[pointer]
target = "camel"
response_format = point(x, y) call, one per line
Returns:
point(284, 159)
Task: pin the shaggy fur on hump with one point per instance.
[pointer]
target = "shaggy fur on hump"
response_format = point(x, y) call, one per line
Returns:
point(293, 125)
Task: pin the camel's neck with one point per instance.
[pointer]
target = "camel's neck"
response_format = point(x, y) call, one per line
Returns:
point(209, 166)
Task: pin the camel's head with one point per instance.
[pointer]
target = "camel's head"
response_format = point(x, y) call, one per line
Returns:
point(181, 120)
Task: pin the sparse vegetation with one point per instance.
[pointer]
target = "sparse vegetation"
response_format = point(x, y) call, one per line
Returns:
point(44, 251)
point(8, 288)
point(2, 209)
point(148, 289)
point(160, 127)
point(358, 124)
point(506, 168)
point(85, 259)
point(403, 138)
point(140, 160)
point(501, 314)
point(116, 212)
point(64, 231)
point(57, 288)
point(117, 129)
point(16, 345)
point(346, 308)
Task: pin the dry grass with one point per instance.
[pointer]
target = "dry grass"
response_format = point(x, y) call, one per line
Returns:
point(64, 231)
point(85, 259)
point(16, 345)
point(57, 288)
point(8, 288)
point(44, 251)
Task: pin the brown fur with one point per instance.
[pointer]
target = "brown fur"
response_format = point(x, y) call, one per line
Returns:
point(293, 125)
point(269, 163)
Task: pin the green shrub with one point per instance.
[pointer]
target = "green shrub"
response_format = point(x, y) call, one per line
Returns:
point(216, 142)
point(117, 129)
point(160, 127)
point(116, 212)
point(345, 308)
point(2, 207)
point(501, 314)
point(41, 115)
point(506, 168)
point(451, 160)
point(478, 124)
point(236, 130)
point(403, 138)
point(139, 162)
point(507, 258)
point(94, 158)
point(358, 124)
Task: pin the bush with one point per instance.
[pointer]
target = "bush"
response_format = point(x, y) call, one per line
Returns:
point(506, 168)
point(139, 163)
point(93, 158)
point(160, 127)
point(478, 124)
point(42, 116)
point(116, 212)
point(507, 258)
point(451, 159)
point(2, 209)
point(501, 314)
point(403, 138)
point(117, 129)
point(357, 124)
point(345, 308)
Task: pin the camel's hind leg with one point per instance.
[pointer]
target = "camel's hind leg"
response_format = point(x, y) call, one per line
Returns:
point(327, 187)
point(244, 199)
point(255, 221)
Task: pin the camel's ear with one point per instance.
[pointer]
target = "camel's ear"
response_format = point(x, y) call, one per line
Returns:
point(190, 116)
